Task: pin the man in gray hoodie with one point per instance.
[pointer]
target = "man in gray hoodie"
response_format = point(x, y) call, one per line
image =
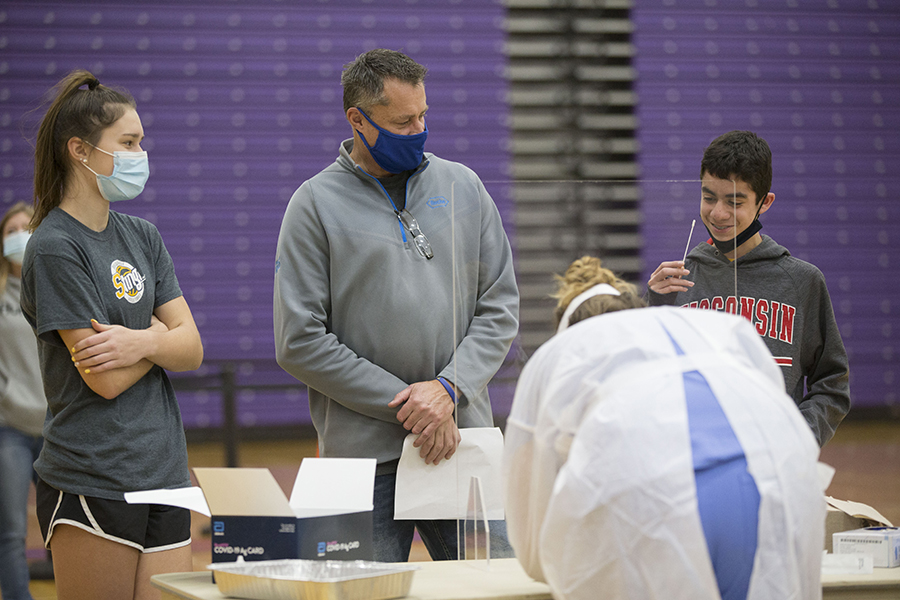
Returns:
point(380, 283)
point(743, 272)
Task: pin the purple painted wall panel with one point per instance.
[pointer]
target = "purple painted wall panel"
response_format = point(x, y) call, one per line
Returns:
point(820, 81)
point(241, 102)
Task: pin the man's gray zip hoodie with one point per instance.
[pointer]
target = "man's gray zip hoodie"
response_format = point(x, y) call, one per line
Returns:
point(359, 314)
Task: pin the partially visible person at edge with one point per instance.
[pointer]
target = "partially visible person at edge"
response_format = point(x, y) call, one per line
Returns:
point(784, 297)
point(22, 406)
point(100, 291)
point(653, 453)
point(364, 301)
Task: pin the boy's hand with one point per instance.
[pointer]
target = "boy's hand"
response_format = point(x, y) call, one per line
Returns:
point(667, 278)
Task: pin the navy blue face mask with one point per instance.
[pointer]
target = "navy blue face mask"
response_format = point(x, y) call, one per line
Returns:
point(393, 152)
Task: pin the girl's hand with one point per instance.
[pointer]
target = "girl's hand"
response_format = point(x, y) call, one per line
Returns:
point(112, 347)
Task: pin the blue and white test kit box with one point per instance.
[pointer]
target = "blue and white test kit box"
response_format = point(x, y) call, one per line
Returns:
point(883, 543)
point(329, 515)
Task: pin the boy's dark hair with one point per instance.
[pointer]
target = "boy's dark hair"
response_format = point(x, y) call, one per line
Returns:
point(742, 155)
point(363, 79)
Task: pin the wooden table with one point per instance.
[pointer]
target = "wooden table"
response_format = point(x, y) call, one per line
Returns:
point(883, 583)
point(443, 580)
point(452, 580)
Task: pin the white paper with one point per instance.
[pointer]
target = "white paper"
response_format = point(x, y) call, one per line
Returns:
point(847, 564)
point(333, 486)
point(191, 498)
point(441, 491)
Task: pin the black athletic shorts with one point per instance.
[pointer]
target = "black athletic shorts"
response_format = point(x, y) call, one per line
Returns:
point(147, 527)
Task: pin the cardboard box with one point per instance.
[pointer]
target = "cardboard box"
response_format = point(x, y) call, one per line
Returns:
point(883, 543)
point(837, 521)
point(329, 515)
point(251, 517)
point(844, 515)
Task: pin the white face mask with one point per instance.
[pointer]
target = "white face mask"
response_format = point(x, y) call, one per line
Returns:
point(130, 173)
point(14, 246)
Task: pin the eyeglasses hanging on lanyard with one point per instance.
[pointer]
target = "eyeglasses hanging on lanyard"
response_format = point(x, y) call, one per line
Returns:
point(419, 238)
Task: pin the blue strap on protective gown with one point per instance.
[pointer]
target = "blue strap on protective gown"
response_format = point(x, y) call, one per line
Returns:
point(727, 497)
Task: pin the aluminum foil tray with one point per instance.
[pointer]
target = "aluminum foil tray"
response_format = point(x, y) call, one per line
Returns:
point(313, 579)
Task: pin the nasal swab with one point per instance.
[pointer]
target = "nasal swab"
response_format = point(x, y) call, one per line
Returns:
point(694, 222)
point(737, 299)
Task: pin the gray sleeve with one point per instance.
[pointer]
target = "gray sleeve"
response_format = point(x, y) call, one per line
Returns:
point(824, 364)
point(68, 297)
point(496, 320)
point(304, 345)
point(654, 299)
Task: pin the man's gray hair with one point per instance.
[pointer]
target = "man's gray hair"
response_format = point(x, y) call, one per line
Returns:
point(363, 79)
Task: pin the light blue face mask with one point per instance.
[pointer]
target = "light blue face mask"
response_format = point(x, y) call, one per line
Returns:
point(14, 246)
point(129, 176)
point(393, 152)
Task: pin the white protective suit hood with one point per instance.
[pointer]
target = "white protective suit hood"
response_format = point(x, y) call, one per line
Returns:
point(598, 474)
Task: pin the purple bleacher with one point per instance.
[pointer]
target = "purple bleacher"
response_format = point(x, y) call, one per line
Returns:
point(240, 104)
point(822, 85)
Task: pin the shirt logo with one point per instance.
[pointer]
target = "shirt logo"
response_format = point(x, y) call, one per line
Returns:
point(128, 282)
point(772, 319)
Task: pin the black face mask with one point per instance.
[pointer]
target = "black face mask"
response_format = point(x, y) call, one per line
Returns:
point(729, 246)
point(732, 244)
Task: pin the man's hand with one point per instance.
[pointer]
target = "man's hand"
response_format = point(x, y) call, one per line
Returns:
point(441, 445)
point(667, 278)
point(426, 405)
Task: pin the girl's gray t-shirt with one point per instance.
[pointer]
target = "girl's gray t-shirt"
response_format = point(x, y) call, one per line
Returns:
point(72, 274)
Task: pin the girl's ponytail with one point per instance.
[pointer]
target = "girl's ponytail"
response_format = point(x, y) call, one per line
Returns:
point(73, 112)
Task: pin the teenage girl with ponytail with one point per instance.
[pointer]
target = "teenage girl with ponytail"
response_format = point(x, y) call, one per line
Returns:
point(100, 291)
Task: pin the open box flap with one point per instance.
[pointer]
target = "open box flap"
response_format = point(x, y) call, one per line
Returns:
point(242, 492)
point(333, 486)
point(191, 498)
point(858, 509)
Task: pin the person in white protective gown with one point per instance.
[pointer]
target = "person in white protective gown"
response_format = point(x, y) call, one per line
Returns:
point(653, 453)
